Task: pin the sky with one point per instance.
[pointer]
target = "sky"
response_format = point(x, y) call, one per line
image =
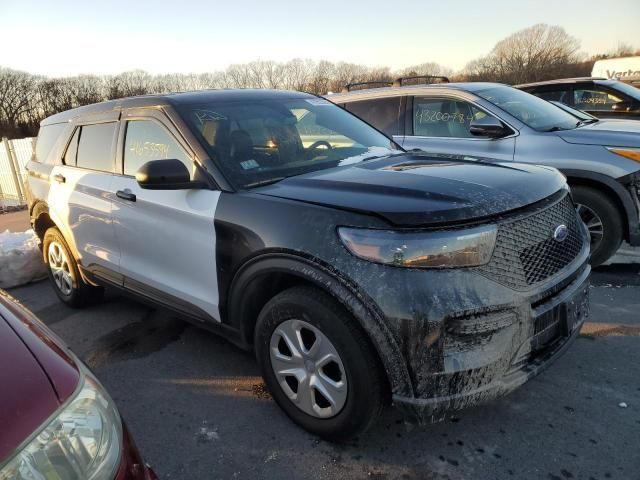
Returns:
point(68, 37)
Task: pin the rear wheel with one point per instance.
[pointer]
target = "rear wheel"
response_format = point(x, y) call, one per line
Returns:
point(64, 274)
point(603, 220)
point(319, 364)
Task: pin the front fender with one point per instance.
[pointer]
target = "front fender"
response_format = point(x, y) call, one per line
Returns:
point(326, 278)
point(614, 187)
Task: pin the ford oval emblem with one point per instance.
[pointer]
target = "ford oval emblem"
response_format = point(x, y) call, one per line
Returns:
point(560, 233)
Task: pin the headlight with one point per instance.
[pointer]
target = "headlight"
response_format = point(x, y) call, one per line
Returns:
point(630, 153)
point(438, 249)
point(82, 442)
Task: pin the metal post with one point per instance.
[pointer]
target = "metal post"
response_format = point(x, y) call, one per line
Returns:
point(13, 163)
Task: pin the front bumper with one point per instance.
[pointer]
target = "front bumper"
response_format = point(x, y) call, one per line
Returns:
point(515, 353)
point(131, 465)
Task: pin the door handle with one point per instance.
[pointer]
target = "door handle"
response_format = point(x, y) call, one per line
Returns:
point(126, 195)
point(58, 177)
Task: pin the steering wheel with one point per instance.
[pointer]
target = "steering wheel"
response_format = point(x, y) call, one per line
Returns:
point(319, 143)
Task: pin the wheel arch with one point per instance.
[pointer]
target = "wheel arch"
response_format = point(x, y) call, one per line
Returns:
point(41, 220)
point(613, 190)
point(262, 277)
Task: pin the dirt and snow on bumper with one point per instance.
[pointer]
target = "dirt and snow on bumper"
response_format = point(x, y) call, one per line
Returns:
point(20, 259)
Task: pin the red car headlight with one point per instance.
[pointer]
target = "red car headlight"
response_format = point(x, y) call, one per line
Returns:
point(82, 442)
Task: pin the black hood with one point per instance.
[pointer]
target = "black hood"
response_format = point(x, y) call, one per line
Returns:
point(418, 190)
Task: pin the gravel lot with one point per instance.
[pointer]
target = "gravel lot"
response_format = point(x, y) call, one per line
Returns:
point(197, 407)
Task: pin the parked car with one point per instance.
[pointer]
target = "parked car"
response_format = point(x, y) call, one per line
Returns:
point(599, 97)
point(601, 159)
point(357, 272)
point(57, 421)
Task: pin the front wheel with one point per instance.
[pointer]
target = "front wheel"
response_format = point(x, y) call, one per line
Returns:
point(602, 218)
point(318, 364)
point(64, 274)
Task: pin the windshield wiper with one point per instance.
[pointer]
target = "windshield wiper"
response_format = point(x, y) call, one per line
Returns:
point(586, 121)
point(554, 129)
point(261, 183)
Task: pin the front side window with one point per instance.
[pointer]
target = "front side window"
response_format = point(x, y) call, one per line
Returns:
point(382, 113)
point(147, 140)
point(442, 117)
point(535, 112)
point(594, 99)
point(262, 141)
point(95, 148)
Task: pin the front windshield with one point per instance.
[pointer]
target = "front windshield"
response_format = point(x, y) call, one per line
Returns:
point(260, 142)
point(630, 90)
point(529, 109)
point(579, 114)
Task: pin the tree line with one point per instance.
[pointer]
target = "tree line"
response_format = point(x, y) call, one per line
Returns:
point(536, 53)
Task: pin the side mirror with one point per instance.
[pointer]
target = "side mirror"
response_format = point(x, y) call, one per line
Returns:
point(488, 126)
point(165, 175)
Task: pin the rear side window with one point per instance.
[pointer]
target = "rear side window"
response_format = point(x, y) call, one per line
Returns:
point(145, 141)
point(95, 148)
point(382, 113)
point(47, 139)
point(441, 117)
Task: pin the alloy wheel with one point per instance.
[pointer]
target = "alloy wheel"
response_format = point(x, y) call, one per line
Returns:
point(60, 268)
point(594, 224)
point(308, 368)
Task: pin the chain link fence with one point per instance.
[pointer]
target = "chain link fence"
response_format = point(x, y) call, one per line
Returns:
point(14, 156)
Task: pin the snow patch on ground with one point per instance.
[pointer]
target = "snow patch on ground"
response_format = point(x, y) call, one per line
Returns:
point(20, 259)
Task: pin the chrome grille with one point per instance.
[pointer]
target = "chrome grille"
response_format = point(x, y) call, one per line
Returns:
point(525, 252)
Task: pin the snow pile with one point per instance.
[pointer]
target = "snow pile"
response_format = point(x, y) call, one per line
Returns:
point(20, 259)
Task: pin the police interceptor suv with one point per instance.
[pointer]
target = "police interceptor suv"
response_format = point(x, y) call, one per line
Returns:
point(359, 273)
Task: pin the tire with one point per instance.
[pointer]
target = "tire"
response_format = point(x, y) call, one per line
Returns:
point(596, 208)
point(64, 274)
point(357, 367)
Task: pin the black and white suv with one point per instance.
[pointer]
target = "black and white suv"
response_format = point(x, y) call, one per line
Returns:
point(359, 273)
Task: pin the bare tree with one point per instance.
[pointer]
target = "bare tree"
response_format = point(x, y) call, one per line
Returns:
point(535, 53)
point(16, 90)
point(428, 68)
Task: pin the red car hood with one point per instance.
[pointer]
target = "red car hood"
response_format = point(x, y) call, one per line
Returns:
point(36, 375)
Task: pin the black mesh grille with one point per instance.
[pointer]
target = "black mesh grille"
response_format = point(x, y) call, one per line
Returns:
point(526, 253)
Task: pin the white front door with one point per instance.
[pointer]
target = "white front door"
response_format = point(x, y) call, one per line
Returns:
point(167, 237)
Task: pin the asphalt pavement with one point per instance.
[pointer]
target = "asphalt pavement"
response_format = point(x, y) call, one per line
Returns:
point(198, 409)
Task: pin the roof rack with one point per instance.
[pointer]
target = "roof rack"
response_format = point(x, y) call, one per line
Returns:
point(415, 80)
point(398, 82)
point(364, 85)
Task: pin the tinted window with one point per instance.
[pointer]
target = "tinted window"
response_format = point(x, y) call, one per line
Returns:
point(146, 140)
point(255, 142)
point(440, 117)
point(529, 109)
point(382, 113)
point(47, 139)
point(594, 99)
point(553, 95)
point(95, 149)
point(72, 149)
